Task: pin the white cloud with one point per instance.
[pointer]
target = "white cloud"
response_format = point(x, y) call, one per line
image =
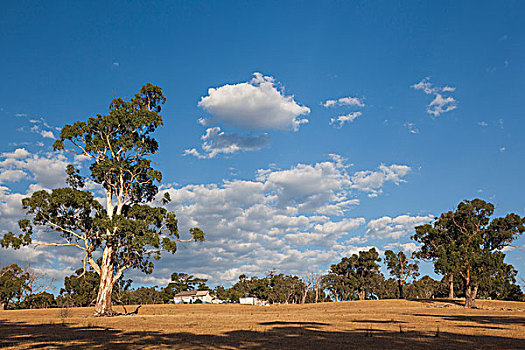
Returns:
point(216, 142)
point(502, 149)
point(17, 154)
point(387, 227)
point(342, 119)
point(406, 247)
point(48, 170)
point(257, 104)
point(47, 134)
point(440, 104)
point(291, 220)
point(11, 175)
point(373, 181)
point(483, 124)
point(411, 127)
point(344, 101)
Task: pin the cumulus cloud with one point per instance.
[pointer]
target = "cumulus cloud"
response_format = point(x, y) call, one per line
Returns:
point(441, 103)
point(344, 101)
point(257, 104)
point(294, 219)
point(46, 169)
point(216, 142)
point(406, 247)
point(373, 181)
point(291, 219)
point(339, 121)
point(387, 227)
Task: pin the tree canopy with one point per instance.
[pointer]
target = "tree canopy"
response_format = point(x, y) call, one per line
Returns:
point(467, 243)
point(354, 276)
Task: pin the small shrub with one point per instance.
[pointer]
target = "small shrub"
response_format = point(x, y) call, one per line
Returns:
point(65, 312)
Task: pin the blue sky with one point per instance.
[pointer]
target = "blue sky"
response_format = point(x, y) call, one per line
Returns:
point(331, 126)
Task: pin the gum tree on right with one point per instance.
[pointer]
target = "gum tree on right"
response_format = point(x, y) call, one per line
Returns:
point(467, 243)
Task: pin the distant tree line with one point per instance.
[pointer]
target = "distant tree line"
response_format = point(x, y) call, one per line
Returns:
point(464, 245)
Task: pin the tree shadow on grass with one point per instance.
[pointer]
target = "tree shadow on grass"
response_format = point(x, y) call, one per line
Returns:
point(458, 302)
point(302, 335)
point(480, 319)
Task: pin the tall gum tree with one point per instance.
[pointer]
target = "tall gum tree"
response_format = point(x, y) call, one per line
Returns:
point(124, 228)
point(467, 243)
point(402, 268)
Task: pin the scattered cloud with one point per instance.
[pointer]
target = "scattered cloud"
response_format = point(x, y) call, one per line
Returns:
point(483, 124)
point(344, 101)
point(411, 127)
point(400, 226)
point(502, 149)
point(406, 247)
point(441, 102)
point(257, 104)
point(20, 115)
point(342, 119)
point(48, 170)
point(116, 64)
point(292, 219)
point(373, 181)
point(216, 142)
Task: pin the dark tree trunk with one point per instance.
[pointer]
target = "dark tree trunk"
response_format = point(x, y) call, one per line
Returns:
point(470, 292)
point(470, 297)
point(451, 286)
point(400, 285)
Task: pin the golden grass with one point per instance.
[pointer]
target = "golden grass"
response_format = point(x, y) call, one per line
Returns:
point(379, 324)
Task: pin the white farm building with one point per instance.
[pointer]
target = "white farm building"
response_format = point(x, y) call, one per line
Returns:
point(252, 301)
point(191, 296)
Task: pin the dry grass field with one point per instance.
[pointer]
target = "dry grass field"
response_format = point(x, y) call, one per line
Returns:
point(380, 324)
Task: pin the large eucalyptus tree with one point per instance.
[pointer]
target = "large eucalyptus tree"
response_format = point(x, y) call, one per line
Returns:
point(468, 244)
point(123, 229)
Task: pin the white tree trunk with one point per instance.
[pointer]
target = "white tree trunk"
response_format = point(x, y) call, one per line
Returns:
point(103, 304)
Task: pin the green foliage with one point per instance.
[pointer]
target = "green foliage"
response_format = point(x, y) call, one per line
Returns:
point(80, 289)
point(354, 277)
point(426, 288)
point(13, 284)
point(387, 289)
point(43, 300)
point(181, 282)
point(274, 288)
point(401, 268)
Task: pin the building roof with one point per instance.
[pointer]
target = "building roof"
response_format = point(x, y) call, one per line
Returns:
point(191, 293)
